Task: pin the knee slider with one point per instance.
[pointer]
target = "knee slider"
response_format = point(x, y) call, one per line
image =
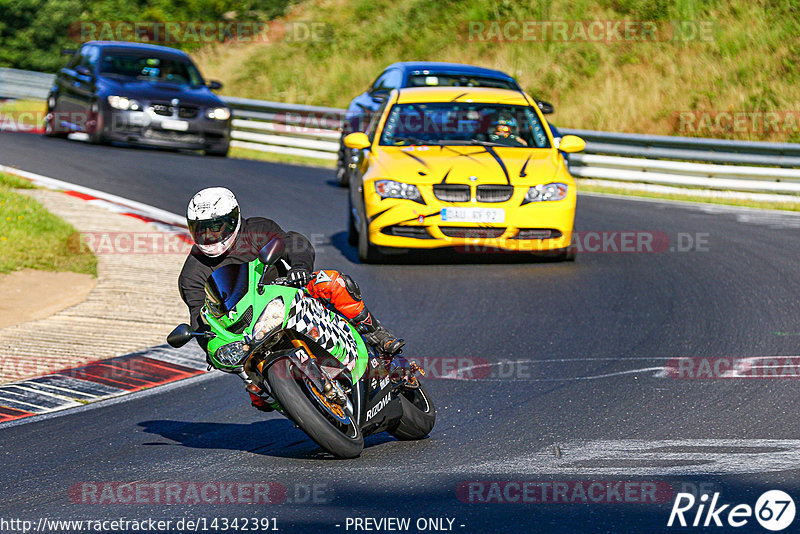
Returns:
point(352, 287)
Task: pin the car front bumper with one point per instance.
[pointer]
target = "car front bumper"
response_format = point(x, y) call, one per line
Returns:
point(147, 128)
point(528, 227)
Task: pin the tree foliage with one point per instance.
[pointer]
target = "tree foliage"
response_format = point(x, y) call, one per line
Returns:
point(33, 32)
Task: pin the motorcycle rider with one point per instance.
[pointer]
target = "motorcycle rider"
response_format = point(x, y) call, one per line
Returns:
point(222, 237)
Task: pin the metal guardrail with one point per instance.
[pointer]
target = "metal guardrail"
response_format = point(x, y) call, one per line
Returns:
point(26, 84)
point(314, 131)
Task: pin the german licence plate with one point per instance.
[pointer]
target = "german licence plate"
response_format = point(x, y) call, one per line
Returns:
point(178, 126)
point(476, 215)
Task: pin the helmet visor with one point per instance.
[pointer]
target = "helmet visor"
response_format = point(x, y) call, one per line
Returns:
point(215, 230)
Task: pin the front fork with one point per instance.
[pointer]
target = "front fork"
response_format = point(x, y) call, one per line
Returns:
point(254, 371)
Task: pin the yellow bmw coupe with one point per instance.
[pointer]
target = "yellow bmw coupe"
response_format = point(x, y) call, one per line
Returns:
point(472, 168)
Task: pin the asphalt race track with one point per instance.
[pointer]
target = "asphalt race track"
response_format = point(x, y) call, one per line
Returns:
point(571, 381)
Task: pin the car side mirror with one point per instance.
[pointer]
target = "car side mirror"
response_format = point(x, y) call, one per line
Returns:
point(83, 70)
point(571, 143)
point(214, 85)
point(545, 107)
point(180, 336)
point(357, 140)
point(379, 96)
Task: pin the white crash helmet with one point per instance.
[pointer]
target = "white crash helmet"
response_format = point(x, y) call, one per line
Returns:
point(214, 219)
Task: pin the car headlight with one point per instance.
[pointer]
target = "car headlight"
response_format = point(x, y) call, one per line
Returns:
point(220, 114)
point(124, 103)
point(231, 354)
point(546, 192)
point(392, 189)
point(270, 318)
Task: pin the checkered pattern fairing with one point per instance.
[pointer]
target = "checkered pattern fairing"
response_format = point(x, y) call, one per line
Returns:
point(307, 314)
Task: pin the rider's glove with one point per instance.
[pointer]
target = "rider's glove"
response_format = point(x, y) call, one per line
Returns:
point(299, 276)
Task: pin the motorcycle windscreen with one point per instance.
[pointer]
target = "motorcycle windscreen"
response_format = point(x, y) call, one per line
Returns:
point(225, 287)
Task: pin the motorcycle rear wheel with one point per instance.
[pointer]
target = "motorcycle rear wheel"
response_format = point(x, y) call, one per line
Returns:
point(419, 415)
point(300, 400)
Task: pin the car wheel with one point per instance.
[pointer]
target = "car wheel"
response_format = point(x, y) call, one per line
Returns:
point(352, 231)
point(97, 135)
point(219, 152)
point(367, 252)
point(342, 176)
point(51, 129)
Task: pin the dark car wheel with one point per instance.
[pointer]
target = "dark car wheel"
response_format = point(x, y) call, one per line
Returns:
point(352, 231)
point(97, 137)
point(218, 152)
point(367, 252)
point(95, 126)
point(51, 129)
point(342, 176)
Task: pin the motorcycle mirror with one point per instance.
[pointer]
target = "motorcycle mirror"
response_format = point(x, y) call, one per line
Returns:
point(272, 251)
point(269, 255)
point(180, 336)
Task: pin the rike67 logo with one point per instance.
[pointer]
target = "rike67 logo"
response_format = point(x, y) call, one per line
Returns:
point(774, 510)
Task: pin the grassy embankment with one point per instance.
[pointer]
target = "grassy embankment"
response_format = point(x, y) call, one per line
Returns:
point(746, 61)
point(33, 238)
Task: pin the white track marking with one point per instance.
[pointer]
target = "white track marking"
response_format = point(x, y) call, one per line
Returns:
point(670, 457)
point(122, 397)
point(660, 369)
point(150, 211)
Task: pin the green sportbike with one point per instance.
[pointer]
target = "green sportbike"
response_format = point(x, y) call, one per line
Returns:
point(316, 366)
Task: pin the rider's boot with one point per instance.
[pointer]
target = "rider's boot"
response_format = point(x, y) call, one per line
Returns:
point(389, 349)
point(377, 335)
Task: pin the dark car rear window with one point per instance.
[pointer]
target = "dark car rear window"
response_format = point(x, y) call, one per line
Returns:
point(151, 67)
point(458, 80)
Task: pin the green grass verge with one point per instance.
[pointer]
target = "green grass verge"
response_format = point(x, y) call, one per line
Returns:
point(33, 238)
point(22, 106)
point(246, 153)
point(689, 197)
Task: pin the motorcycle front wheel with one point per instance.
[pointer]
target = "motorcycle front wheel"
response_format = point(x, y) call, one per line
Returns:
point(331, 426)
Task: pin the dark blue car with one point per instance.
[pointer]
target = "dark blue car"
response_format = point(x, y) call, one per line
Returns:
point(417, 74)
point(138, 93)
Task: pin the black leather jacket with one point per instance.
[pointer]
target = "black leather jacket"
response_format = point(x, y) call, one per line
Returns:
point(253, 235)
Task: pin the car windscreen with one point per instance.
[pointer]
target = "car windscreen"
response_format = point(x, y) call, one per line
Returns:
point(454, 123)
point(150, 67)
point(458, 80)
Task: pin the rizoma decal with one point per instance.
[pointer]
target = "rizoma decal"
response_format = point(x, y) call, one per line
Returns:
point(378, 407)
